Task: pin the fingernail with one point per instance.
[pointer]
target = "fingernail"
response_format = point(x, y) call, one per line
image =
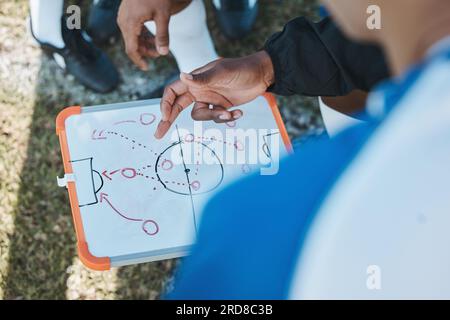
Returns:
point(163, 50)
point(224, 116)
point(187, 76)
point(237, 116)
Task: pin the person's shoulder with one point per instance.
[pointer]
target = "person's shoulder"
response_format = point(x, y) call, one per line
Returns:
point(252, 229)
point(313, 168)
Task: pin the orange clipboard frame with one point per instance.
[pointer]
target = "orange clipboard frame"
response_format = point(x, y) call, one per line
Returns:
point(104, 263)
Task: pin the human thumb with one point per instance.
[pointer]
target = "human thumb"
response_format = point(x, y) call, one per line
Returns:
point(162, 34)
point(197, 79)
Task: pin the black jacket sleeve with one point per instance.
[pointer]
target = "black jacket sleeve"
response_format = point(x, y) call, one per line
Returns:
point(316, 59)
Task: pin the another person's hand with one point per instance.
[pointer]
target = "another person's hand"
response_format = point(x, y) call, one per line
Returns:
point(215, 88)
point(139, 42)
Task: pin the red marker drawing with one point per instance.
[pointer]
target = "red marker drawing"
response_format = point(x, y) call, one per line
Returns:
point(98, 136)
point(128, 173)
point(104, 198)
point(123, 122)
point(147, 119)
point(146, 224)
point(105, 174)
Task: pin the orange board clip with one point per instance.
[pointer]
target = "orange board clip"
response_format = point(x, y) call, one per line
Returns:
point(89, 260)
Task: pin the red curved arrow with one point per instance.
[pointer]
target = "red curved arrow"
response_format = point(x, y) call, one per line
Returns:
point(98, 136)
point(104, 197)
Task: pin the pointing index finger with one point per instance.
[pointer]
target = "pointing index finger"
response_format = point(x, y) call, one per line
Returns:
point(175, 99)
point(171, 93)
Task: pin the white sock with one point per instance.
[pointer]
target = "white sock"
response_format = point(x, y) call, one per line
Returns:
point(190, 41)
point(46, 21)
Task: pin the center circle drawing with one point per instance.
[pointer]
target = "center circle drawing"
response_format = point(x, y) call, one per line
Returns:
point(190, 177)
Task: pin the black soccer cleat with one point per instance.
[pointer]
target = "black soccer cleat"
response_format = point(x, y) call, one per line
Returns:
point(236, 17)
point(79, 57)
point(102, 22)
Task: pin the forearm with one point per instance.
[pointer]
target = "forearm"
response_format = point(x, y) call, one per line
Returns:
point(316, 59)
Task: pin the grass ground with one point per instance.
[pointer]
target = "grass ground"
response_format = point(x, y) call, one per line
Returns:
point(37, 243)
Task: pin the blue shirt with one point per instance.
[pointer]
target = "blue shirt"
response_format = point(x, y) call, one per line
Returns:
point(251, 233)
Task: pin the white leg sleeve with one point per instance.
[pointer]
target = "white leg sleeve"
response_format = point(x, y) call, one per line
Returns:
point(335, 121)
point(190, 41)
point(46, 21)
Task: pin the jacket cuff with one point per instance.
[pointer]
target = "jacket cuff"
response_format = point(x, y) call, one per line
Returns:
point(272, 47)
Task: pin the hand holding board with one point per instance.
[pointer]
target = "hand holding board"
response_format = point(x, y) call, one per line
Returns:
point(136, 199)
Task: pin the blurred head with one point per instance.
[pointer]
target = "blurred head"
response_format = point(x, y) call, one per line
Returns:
point(406, 29)
point(353, 15)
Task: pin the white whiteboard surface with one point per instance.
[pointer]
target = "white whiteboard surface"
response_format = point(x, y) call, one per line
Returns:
point(136, 203)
